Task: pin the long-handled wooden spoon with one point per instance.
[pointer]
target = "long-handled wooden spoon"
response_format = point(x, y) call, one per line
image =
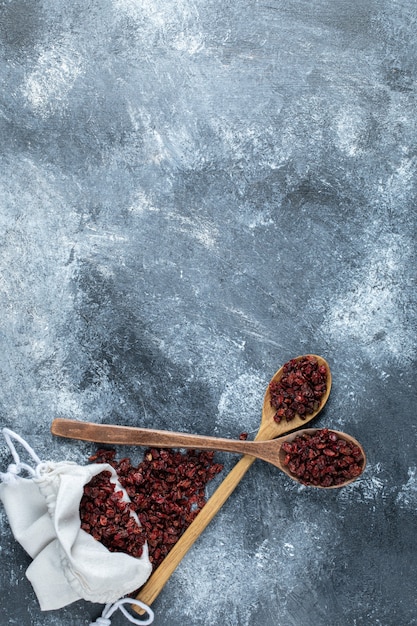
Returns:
point(268, 450)
point(269, 429)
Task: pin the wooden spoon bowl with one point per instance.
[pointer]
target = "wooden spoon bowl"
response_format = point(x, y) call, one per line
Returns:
point(269, 428)
point(312, 431)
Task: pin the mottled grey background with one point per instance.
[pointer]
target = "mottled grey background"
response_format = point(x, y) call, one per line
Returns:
point(191, 193)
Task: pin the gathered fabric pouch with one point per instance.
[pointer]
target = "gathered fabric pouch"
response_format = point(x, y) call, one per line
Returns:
point(68, 563)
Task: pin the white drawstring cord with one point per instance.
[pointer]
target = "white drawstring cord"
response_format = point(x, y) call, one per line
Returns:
point(109, 609)
point(15, 468)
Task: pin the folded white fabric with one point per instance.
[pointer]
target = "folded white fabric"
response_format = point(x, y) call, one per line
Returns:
point(68, 563)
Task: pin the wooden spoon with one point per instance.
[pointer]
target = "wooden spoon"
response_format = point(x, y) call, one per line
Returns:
point(268, 450)
point(269, 429)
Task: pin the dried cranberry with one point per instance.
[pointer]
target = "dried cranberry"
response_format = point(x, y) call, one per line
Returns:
point(107, 517)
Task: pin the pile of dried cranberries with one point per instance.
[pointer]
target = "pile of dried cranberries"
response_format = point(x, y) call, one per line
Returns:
point(167, 491)
point(322, 459)
point(107, 517)
point(300, 389)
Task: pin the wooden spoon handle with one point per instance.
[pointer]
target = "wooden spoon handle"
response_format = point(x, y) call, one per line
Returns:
point(134, 436)
point(154, 585)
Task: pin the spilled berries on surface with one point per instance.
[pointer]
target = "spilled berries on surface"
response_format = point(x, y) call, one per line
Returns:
point(167, 491)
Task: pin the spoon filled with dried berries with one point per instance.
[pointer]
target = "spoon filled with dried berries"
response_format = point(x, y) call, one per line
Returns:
point(316, 457)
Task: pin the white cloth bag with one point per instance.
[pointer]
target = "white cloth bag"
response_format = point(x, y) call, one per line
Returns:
point(68, 563)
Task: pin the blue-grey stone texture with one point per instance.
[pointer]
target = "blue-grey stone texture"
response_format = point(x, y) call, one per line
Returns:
point(191, 193)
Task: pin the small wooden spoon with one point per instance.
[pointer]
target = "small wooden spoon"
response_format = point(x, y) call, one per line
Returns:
point(269, 450)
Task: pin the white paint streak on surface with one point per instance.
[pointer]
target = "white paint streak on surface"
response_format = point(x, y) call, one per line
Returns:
point(210, 359)
point(395, 189)
point(176, 22)
point(39, 304)
point(241, 402)
point(200, 229)
point(407, 497)
point(367, 488)
point(350, 128)
point(48, 85)
point(142, 204)
point(369, 309)
point(249, 576)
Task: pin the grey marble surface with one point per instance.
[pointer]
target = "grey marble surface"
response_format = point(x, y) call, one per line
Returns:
point(191, 193)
